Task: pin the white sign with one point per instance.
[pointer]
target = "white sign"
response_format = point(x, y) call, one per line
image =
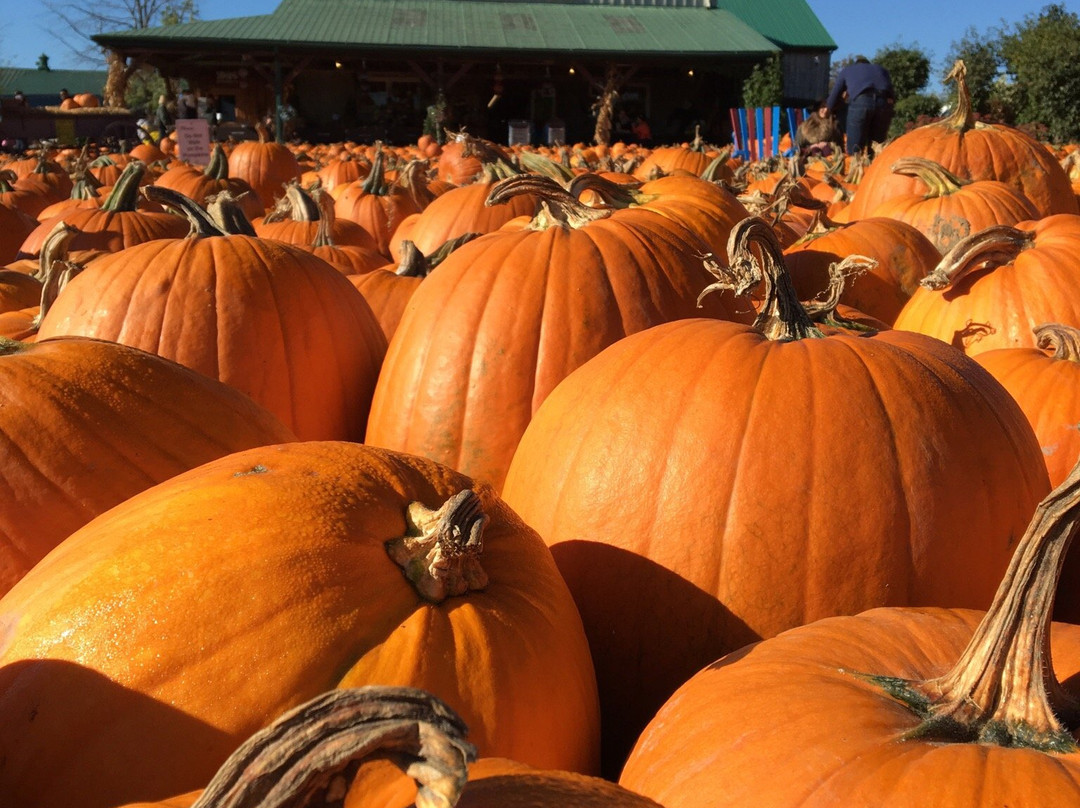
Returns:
point(193, 140)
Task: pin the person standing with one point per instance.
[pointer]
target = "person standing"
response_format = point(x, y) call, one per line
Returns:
point(870, 98)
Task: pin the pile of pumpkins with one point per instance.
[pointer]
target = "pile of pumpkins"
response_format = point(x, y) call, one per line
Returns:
point(595, 476)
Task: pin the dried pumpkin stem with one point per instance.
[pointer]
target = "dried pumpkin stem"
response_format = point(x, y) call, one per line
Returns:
point(124, 196)
point(1063, 339)
point(1003, 690)
point(440, 555)
point(938, 179)
point(614, 194)
point(824, 311)
point(781, 316)
point(991, 247)
point(202, 224)
point(557, 207)
point(963, 117)
point(304, 757)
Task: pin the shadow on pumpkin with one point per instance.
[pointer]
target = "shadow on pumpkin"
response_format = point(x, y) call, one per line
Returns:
point(69, 736)
point(649, 631)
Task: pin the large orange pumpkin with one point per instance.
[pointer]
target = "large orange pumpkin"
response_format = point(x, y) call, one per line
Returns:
point(904, 257)
point(892, 708)
point(996, 285)
point(704, 484)
point(178, 623)
point(264, 165)
point(953, 208)
point(490, 333)
point(85, 424)
point(970, 149)
point(270, 319)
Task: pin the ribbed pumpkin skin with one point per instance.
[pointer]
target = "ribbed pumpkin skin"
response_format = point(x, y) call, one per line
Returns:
point(1040, 286)
point(267, 318)
point(904, 257)
point(168, 630)
point(85, 424)
point(702, 487)
point(839, 738)
point(388, 294)
point(506, 317)
point(947, 219)
point(985, 152)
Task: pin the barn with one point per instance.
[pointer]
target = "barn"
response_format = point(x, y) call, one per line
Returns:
point(369, 69)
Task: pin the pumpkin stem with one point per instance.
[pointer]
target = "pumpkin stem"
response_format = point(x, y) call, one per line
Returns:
point(1063, 339)
point(963, 117)
point(54, 270)
point(556, 207)
point(224, 209)
point(296, 204)
point(440, 554)
point(218, 167)
point(1003, 690)
point(202, 224)
point(375, 182)
point(824, 311)
point(781, 316)
point(308, 755)
point(411, 180)
point(612, 194)
point(124, 196)
point(325, 203)
point(988, 248)
point(936, 177)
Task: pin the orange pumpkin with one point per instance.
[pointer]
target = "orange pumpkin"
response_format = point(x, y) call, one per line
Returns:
point(200, 610)
point(971, 149)
point(71, 408)
point(489, 334)
point(890, 708)
point(762, 477)
point(996, 285)
point(270, 319)
point(264, 165)
point(953, 208)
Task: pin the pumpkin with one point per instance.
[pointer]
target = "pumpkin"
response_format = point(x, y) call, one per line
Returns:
point(375, 205)
point(200, 185)
point(893, 707)
point(116, 224)
point(761, 477)
point(952, 207)
point(264, 165)
point(270, 319)
point(996, 285)
point(903, 254)
point(85, 424)
point(489, 334)
point(172, 627)
point(970, 149)
point(295, 220)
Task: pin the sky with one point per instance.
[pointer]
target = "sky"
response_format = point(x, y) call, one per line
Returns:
point(931, 25)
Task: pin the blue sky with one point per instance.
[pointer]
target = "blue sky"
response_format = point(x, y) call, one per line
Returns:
point(865, 27)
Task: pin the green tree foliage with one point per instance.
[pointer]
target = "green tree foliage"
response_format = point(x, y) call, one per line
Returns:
point(909, 69)
point(1041, 57)
point(913, 110)
point(764, 87)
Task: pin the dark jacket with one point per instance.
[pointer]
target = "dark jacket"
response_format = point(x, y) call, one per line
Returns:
point(858, 78)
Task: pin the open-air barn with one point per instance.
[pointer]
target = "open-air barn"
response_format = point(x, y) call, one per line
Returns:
point(368, 69)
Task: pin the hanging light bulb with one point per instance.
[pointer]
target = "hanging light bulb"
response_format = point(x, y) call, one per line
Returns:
point(571, 71)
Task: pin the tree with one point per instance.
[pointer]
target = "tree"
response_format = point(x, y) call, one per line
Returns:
point(909, 69)
point(83, 20)
point(764, 87)
point(1041, 56)
point(981, 55)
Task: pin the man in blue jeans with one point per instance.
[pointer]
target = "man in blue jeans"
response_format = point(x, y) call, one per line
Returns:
point(870, 98)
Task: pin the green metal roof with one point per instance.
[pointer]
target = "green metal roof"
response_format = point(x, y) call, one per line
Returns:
point(789, 23)
point(49, 82)
point(479, 25)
